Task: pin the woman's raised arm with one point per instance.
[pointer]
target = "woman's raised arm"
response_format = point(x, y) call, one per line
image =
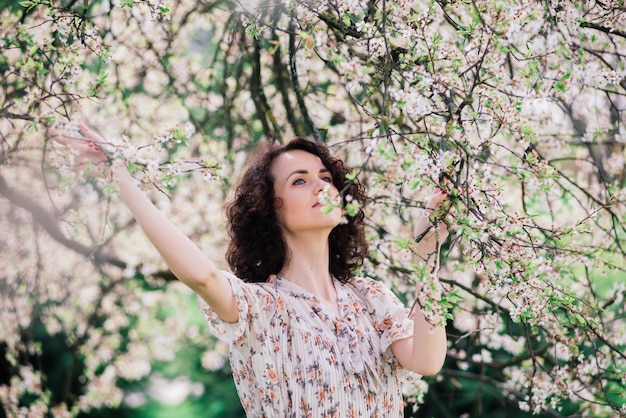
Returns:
point(425, 352)
point(188, 263)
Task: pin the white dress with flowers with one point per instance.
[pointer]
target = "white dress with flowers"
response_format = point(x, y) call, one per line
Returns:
point(292, 357)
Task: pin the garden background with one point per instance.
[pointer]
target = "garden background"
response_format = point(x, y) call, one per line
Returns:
point(516, 107)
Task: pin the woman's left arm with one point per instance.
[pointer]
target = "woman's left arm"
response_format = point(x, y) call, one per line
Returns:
point(425, 351)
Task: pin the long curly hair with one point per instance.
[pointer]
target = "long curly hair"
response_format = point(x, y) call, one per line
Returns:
point(257, 248)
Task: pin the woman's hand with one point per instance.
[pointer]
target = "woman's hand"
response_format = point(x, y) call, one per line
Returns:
point(435, 200)
point(436, 209)
point(87, 147)
point(182, 256)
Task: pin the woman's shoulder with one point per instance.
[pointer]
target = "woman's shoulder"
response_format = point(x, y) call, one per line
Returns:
point(367, 284)
point(255, 290)
point(378, 297)
point(365, 279)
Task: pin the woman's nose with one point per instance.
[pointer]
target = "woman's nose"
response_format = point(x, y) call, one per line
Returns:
point(320, 185)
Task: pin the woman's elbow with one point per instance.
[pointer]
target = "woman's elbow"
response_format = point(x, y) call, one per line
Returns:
point(430, 369)
point(200, 278)
point(429, 366)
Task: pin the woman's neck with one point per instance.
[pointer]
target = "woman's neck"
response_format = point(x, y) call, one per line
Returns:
point(307, 265)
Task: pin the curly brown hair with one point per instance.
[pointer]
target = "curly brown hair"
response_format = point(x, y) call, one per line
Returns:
point(257, 248)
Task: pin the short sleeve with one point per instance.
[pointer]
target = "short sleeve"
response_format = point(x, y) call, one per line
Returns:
point(391, 318)
point(252, 302)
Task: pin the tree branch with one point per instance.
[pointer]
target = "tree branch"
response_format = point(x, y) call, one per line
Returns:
point(293, 71)
point(608, 31)
point(50, 224)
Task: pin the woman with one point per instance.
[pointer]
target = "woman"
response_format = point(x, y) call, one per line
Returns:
point(307, 338)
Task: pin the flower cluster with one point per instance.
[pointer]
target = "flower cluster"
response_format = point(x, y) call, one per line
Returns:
point(515, 108)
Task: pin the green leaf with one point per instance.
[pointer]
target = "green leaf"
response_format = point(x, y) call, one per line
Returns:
point(27, 4)
point(403, 243)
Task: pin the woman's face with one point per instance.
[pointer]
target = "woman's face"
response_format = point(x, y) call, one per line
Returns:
point(299, 177)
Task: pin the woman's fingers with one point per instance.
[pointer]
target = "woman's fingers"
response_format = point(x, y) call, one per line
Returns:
point(81, 139)
point(58, 137)
point(85, 144)
point(88, 133)
point(437, 197)
point(65, 137)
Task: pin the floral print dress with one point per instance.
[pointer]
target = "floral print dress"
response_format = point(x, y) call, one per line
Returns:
point(293, 357)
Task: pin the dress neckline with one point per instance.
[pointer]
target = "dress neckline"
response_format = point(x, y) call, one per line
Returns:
point(301, 292)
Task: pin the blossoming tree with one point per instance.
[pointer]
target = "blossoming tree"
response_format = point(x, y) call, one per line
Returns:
point(516, 108)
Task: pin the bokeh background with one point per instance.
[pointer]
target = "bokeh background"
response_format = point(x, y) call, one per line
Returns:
point(515, 107)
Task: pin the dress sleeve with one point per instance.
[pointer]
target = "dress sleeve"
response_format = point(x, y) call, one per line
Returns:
point(392, 320)
point(253, 302)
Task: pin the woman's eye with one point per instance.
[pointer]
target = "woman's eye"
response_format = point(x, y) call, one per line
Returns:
point(297, 182)
point(327, 179)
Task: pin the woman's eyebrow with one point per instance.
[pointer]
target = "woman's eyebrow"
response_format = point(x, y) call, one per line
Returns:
point(322, 170)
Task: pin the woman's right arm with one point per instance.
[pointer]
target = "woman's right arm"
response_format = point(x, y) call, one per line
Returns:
point(188, 263)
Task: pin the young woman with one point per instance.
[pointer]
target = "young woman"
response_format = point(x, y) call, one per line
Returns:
point(307, 338)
